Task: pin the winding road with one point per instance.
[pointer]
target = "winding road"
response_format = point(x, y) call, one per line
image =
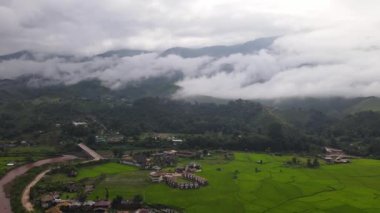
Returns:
point(25, 198)
point(5, 205)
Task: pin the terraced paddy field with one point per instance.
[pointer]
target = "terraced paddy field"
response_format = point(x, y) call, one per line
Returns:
point(351, 187)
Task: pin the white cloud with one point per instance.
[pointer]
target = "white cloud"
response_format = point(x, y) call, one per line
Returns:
point(326, 48)
point(91, 27)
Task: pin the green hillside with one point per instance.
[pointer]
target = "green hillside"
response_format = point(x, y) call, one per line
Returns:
point(367, 104)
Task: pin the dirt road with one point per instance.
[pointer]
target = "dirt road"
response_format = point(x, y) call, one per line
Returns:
point(25, 198)
point(5, 205)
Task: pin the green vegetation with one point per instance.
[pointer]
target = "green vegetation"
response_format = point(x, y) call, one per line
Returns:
point(32, 150)
point(17, 187)
point(276, 188)
point(44, 117)
point(4, 160)
point(245, 185)
point(107, 168)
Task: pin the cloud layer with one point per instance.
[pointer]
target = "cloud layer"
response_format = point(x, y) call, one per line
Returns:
point(326, 48)
point(90, 28)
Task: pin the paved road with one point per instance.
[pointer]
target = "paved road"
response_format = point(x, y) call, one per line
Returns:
point(91, 152)
point(5, 205)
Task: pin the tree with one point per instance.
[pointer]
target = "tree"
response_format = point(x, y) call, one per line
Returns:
point(276, 134)
point(138, 199)
point(107, 194)
point(118, 152)
point(116, 202)
point(316, 163)
point(309, 164)
point(294, 160)
point(91, 139)
point(82, 196)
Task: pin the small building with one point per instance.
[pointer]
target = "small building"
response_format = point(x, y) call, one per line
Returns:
point(335, 156)
point(332, 151)
point(100, 139)
point(79, 123)
point(186, 154)
point(157, 168)
point(48, 200)
point(88, 188)
point(156, 177)
point(170, 152)
point(101, 206)
point(10, 164)
point(142, 211)
point(89, 203)
point(177, 140)
point(115, 138)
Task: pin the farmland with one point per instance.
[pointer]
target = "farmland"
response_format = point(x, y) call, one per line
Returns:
point(331, 188)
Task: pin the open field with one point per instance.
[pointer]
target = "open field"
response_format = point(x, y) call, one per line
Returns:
point(332, 188)
point(106, 169)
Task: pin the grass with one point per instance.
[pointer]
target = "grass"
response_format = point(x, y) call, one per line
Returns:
point(108, 168)
point(352, 187)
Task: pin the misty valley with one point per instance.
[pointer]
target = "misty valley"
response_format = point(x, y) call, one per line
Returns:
point(167, 106)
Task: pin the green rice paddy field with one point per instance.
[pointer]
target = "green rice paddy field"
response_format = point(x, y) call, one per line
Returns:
point(352, 187)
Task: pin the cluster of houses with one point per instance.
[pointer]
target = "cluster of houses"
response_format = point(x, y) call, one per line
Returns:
point(87, 206)
point(167, 137)
point(200, 180)
point(53, 199)
point(172, 182)
point(336, 156)
point(149, 160)
point(52, 203)
point(186, 173)
point(110, 138)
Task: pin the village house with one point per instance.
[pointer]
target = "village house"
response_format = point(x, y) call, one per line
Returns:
point(193, 167)
point(186, 154)
point(335, 156)
point(11, 164)
point(170, 152)
point(89, 203)
point(115, 138)
point(171, 179)
point(88, 188)
point(72, 187)
point(156, 177)
point(101, 206)
point(200, 180)
point(176, 141)
point(166, 158)
point(79, 123)
point(48, 200)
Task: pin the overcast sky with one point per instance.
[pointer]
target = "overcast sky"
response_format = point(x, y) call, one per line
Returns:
point(94, 26)
point(324, 48)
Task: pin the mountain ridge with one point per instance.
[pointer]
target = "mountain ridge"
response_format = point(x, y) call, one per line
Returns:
point(251, 46)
